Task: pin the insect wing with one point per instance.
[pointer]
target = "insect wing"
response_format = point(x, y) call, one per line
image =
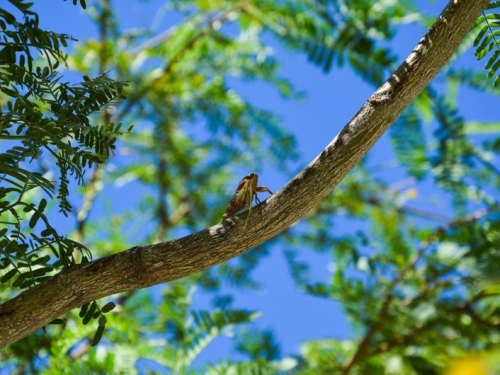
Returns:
point(240, 197)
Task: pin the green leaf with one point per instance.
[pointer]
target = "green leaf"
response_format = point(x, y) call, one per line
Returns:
point(41, 260)
point(47, 232)
point(98, 335)
point(42, 271)
point(28, 208)
point(9, 275)
point(42, 205)
point(89, 314)
point(317, 290)
point(34, 219)
point(4, 263)
point(83, 310)
point(21, 278)
point(57, 321)
point(472, 127)
point(108, 307)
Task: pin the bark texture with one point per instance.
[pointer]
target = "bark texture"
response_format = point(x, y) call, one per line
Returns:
point(143, 266)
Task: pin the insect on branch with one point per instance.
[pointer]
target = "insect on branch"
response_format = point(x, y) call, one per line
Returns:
point(244, 195)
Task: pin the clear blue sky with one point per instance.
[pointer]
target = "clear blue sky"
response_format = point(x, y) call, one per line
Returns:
point(331, 101)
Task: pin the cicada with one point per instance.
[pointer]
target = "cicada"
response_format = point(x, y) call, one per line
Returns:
point(245, 193)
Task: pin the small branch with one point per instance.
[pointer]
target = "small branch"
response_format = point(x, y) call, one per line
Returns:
point(487, 164)
point(418, 212)
point(162, 209)
point(96, 178)
point(89, 197)
point(162, 38)
point(402, 340)
point(182, 210)
point(409, 338)
point(363, 347)
point(469, 311)
point(426, 290)
point(406, 210)
point(139, 93)
point(424, 214)
point(12, 137)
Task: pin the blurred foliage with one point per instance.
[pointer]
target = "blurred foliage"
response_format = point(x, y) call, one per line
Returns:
point(411, 243)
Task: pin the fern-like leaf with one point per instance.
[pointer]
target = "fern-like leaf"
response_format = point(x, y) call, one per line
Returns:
point(487, 42)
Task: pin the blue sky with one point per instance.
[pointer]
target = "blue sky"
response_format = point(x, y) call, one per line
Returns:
point(332, 99)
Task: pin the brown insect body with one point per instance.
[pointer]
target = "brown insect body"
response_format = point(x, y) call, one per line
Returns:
point(245, 193)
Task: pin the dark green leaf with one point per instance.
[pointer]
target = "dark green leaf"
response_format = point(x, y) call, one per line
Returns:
point(42, 205)
point(98, 335)
point(89, 314)
point(34, 219)
point(9, 275)
point(108, 307)
point(57, 321)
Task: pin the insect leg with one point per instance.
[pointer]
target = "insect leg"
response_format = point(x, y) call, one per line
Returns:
point(263, 189)
point(248, 198)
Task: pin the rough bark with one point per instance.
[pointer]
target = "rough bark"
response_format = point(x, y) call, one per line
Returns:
point(143, 266)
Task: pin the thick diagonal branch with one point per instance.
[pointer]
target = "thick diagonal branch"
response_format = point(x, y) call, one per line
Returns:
point(144, 266)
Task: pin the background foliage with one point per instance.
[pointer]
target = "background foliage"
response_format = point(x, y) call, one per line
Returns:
point(417, 285)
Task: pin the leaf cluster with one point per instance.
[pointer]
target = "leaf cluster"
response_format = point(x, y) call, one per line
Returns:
point(47, 121)
point(486, 41)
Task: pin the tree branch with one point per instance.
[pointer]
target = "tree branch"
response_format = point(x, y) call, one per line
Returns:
point(140, 267)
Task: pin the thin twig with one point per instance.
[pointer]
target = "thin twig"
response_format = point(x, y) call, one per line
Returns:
point(162, 208)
